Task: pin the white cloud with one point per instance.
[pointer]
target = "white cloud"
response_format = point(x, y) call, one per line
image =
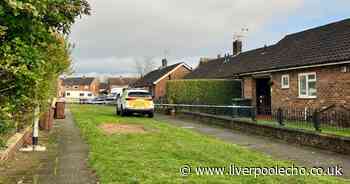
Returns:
point(121, 30)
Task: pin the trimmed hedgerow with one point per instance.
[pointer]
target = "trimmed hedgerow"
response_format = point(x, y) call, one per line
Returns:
point(212, 92)
point(34, 52)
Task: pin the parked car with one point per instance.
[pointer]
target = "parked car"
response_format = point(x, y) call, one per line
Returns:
point(97, 100)
point(83, 101)
point(111, 100)
point(135, 101)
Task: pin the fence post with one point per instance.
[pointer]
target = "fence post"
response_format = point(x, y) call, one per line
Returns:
point(253, 114)
point(35, 133)
point(316, 120)
point(233, 112)
point(233, 109)
point(280, 116)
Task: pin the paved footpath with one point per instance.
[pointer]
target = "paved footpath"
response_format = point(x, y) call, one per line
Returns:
point(301, 155)
point(65, 162)
point(70, 164)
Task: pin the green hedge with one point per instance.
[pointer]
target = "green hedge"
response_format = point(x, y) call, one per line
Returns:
point(212, 92)
point(34, 52)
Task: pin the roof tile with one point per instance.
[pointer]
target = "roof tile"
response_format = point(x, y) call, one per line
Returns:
point(154, 75)
point(325, 44)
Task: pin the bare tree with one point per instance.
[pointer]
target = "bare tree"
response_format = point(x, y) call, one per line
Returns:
point(144, 65)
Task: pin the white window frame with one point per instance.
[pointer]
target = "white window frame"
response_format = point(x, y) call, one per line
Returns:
point(282, 84)
point(307, 96)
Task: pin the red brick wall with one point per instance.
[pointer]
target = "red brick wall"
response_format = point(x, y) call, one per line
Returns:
point(249, 89)
point(94, 87)
point(333, 87)
point(16, 142)
point(160, 88)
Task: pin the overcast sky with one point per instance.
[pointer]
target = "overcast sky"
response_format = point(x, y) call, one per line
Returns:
point(121, 31)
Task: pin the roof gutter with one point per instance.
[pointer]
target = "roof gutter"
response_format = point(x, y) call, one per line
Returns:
point(293, 68)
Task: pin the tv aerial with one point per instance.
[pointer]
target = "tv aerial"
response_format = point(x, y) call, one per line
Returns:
point(241, 34)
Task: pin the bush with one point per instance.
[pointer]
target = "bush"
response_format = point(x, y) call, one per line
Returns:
point(34, 52)
point(5, 127)
point(211, 92)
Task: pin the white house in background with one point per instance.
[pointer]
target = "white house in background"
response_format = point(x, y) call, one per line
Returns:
point(116, 85)
point(78, 95)
point(79, 88)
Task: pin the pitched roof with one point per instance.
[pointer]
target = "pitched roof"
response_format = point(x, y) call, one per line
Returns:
point(121, 81)
point(321, 45)
point(103, 86)
point(155, 75)
point(77, 81)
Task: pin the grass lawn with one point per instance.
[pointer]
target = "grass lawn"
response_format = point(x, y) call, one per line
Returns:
point(157, 155)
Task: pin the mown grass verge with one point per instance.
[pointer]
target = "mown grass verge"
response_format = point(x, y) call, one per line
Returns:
point(158, 155)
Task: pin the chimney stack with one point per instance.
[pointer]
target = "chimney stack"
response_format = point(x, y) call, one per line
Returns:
point(237, 47)
point(203, 60)
point(164, 63)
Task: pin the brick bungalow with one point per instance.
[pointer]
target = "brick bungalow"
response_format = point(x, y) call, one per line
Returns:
point(306, 69)
point(155, 81)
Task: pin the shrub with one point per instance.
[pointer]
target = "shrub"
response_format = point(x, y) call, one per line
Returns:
point(34, 51)
point(5, 127)
point(212, 92)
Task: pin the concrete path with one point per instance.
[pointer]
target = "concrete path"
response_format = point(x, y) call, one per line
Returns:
point(304, 156)
point(70, 164)
point(65, 161)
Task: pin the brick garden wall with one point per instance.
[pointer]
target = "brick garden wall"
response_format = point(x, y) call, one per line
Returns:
point(301, 137)
point(15, 143)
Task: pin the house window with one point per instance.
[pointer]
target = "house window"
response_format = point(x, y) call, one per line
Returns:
point(307, 85)
point(345, 69)
point(89, 94)
point(67, 87)
point(67, 94)
point(285, 81)
point(81, 94)
point(75, 87)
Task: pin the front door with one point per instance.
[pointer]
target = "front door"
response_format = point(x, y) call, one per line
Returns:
point(263, 96)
